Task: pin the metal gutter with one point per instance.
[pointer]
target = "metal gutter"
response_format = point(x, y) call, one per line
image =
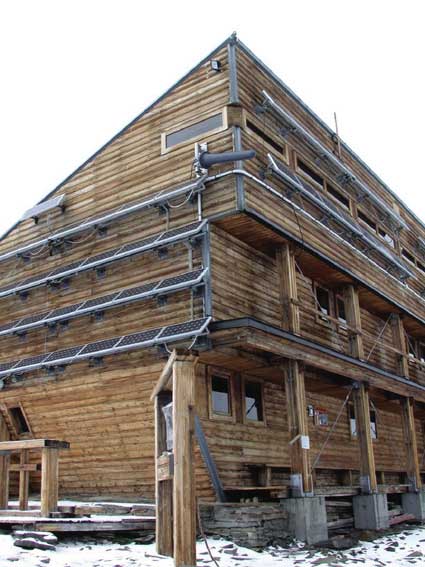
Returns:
point(249, 322)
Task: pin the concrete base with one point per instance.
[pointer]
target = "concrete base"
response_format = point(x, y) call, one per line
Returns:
point(371, 512)
point(307, 518)
point(414, 503)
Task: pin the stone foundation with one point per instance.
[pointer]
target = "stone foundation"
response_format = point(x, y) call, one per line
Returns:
point(250, 525)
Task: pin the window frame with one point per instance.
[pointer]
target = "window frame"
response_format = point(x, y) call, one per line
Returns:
point(245, 420)
point(19, 434)
point(373, 432)
point(327, 318)
point(284, 155)
point(228, 375)
point(376, 229)
point(198, 137)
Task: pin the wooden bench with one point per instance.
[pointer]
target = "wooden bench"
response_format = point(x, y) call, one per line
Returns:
point(49, 471)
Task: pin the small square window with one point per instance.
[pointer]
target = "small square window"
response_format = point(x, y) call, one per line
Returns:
point(220, 394)
point(353, 422)
point(253, 400)
point(323, 300)
point(340, 310)
point(19, 420)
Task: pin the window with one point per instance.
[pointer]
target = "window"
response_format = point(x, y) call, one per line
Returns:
point(304, 168)
point(323, 300)
point(387, 237)
point(353, 422)
point(253, 401)
point(211, 124)
point(19, 420)
point(340, 310)
point(220, 394)
point(367, 220)
point(406, 254)
point(281, 149)
point(340, 197)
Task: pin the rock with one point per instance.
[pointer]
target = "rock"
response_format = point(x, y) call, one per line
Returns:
point(146, 539)
point(32, 543)
point(414, 554)
point(47, 537)
point(338, 542)
point(45, 560)
point(390, 548)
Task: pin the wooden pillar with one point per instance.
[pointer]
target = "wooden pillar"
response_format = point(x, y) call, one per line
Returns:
point(298, 427)
point(409, 431)
point(4, 467)
point(288, 289)
point(24, 480)
point(354, 321)
point(164, 487)
point(368, 482)
point(400, 343)
point(49, 480)
point(184, 498)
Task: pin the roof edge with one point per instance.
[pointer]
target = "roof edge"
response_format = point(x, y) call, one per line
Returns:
point(230, 39)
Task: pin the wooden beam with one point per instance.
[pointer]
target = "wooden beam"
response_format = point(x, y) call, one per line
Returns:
point(165, 377)
point(400, 343)
point(288, 289)
point(24, 480)
point(298, 427)
point(354, 321)
point(4, 467)
point(164, 488)
point(368, 481)
point(49, 480)
point(33, 444)
point(409, 431)
point(184, 500)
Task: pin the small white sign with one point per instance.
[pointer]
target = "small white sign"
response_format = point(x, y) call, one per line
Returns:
point(305, 442)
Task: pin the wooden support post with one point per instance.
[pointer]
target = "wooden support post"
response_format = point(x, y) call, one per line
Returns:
point(24, 480)
point(409, 430)
point(49, 480)
point(368, 482)
point(184, 499)
point(400, 343)
point(354, 321)
point(164, 488)
point(298, 428)
point(288, 289)
point(4, 467)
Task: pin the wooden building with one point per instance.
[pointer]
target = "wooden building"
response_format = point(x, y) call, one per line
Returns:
point(294, 280)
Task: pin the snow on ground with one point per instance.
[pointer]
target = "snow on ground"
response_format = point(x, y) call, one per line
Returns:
point(403, 549)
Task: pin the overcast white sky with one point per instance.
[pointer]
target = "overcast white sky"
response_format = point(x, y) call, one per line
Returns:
point(73, 73)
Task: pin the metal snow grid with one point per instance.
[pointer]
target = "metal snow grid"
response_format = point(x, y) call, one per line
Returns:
point(34, 318)
point(358, 231)
point(87, 264)
point(44, 207)
point(64, 353)
point(106, 301)
point(183, 278)
point(32, 360)
point(182, 328)
point(139, 244)
point(100, 300)
point(99, 346)
point(137, 338)
point(122, 211)
point(109, 346)
point(131, 292)
point(328, 156)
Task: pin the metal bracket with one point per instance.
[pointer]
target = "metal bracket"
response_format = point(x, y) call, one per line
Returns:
point(200, 148)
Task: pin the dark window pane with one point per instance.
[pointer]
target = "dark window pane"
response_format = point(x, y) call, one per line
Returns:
point(340, 305)
point(408, 255)
point(265, 137)
point(194, 130)
point(19, 420)
point(220, 395)
point(253, 401)
point(323, 300)
point(367, 220)
point(338, 196)
point(310, 172)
